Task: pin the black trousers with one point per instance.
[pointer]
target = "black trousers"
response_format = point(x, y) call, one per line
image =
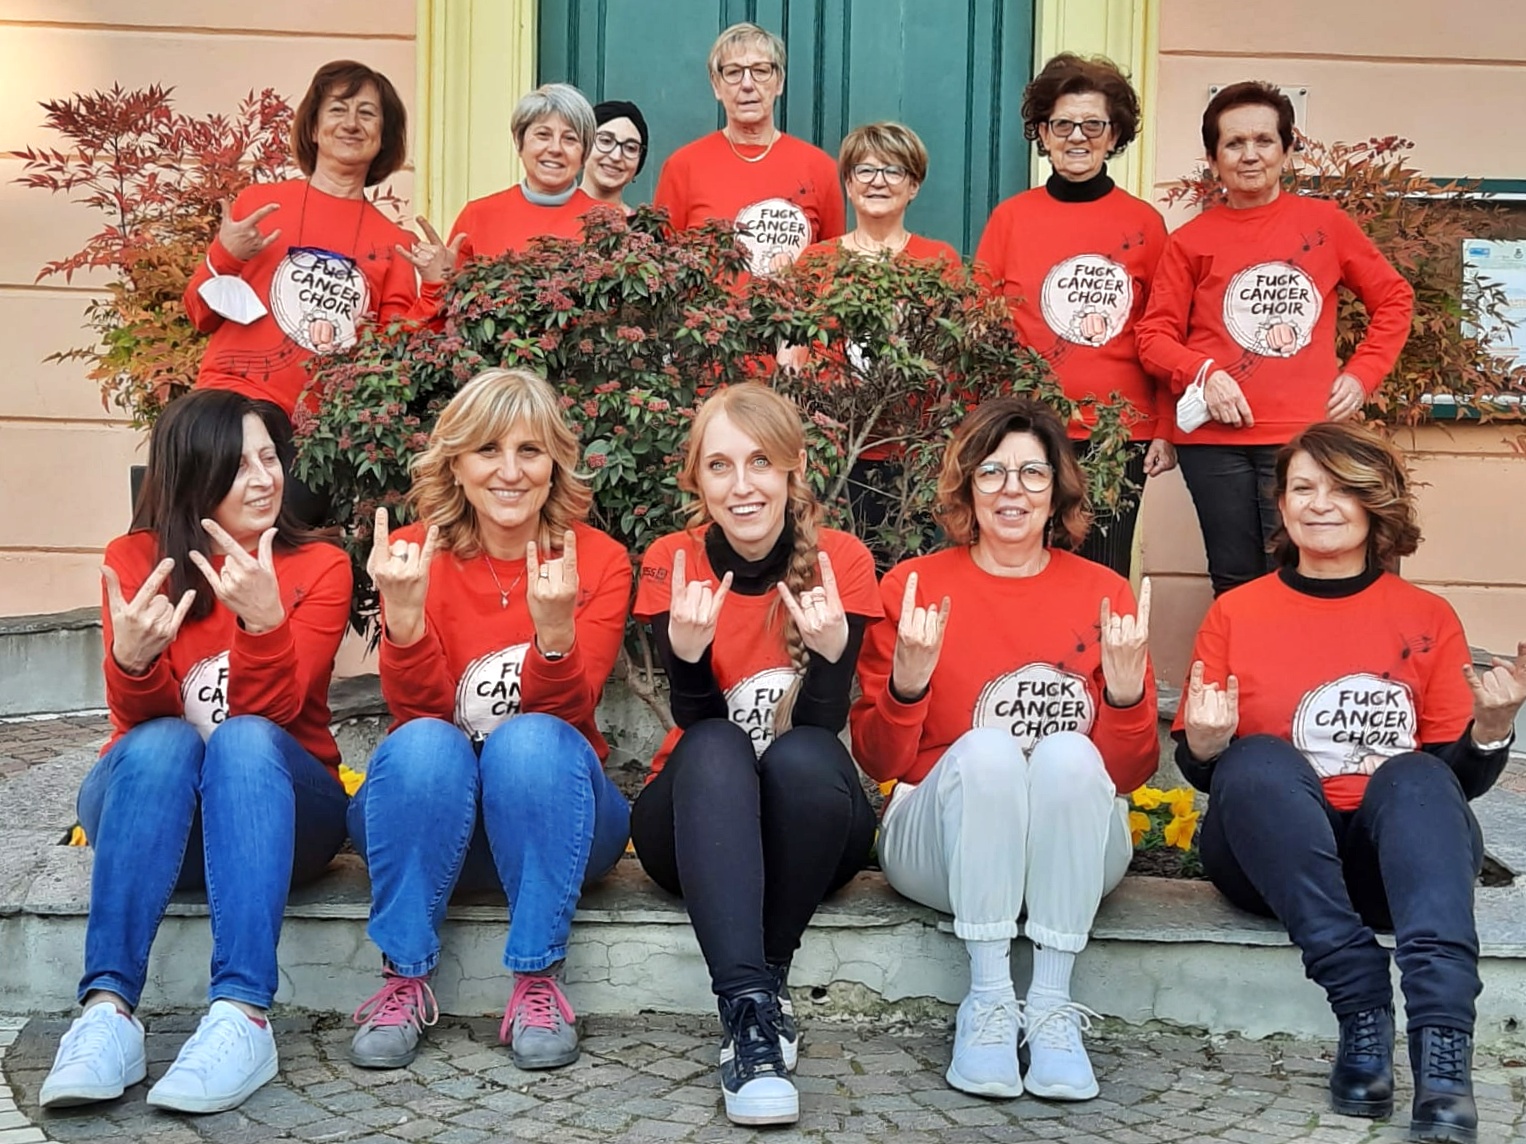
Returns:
point(1405, 860)
point(1111, 539)
point(1231, 487)
point(753, 843)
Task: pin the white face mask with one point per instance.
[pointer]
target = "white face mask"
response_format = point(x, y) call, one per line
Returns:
point(233, 298)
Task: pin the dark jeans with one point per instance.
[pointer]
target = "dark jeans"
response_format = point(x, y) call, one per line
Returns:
point(1405, 860)
point(1231, 487)
point(752, 843)
point(1111, 539)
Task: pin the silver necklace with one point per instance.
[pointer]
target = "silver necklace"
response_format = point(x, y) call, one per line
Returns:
point(503, 595)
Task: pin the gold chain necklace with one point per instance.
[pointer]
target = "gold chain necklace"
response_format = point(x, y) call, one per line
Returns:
point(858, 245)
point(503, 596)
point(756, 158)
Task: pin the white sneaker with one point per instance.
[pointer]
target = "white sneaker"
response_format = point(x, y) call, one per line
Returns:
point(985, 1046)
point(226, 1060)
point(1058, 1067)
point(98, 1058)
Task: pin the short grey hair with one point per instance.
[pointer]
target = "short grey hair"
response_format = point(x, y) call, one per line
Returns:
point(739, 34)
point(555, 99)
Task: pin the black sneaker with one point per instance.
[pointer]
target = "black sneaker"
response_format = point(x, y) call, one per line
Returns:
point(1362, 1077)
point(1442, 1060)
point(789, 1031)
point(754, 1081)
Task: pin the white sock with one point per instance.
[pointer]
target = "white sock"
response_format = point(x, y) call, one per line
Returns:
point(1051, 974)
point(990, 966)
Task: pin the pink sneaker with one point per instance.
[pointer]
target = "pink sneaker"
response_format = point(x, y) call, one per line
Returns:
point(539, 1026)
point(391, 1022)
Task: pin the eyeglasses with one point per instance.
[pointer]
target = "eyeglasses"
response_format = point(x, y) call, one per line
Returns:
point(1034, 476)
point(866, 173)
point(607, 144)
point(761, 73)
point(1091, 128)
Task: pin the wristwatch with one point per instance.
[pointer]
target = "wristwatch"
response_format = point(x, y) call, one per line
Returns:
point(552, 656)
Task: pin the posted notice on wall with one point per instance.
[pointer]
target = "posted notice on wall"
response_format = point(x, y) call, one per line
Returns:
point(1502, 262)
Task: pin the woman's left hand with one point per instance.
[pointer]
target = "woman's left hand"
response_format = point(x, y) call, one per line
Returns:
point(247, 584)
point(1126, 650)
point(818, 614)
point(1497, 696)
point(1346, 398)
point(552, 593)
point(1160, 457)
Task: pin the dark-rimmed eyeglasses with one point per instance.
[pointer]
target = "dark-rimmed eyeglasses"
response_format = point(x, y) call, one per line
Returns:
point(1091, 128)
point(608, 144)
point(761, 73)
point(991, 476)
point(866, 173)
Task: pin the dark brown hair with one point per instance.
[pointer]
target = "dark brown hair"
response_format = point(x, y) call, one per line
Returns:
point(1250, 93)
point(978, 436)
point(341, 79)
point(1369, 467)
point(1070, 74)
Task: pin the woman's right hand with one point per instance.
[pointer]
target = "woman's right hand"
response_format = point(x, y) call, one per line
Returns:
point(1226, 401)
point(693, 610)
point(242, 238)
point(1210, 715)
point(431, 257)
point(400, 572)
point(918, 643)
point(141, 628)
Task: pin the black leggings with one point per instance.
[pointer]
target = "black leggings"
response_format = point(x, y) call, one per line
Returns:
point(752, 843)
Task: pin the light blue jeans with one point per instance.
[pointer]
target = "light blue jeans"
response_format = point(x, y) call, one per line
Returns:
point(532, 812)
point(246, 815)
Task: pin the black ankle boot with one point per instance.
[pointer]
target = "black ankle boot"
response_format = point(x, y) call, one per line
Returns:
point(1442, 1060)
point(1362, 1078)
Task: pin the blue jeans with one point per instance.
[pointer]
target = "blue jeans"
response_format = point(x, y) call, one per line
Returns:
point(533, 813)
point(246, 815)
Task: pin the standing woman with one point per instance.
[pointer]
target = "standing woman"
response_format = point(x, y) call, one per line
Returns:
point(1075, 259)
point(619, 152)
point(502, 616)
point(1245, 300)
point(1334, 715)
point(754, 812)
point(221, 621)
point(1010, 709)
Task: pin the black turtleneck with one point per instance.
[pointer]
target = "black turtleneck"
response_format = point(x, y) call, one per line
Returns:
point(1086, 191)
point(695, 694)
point(1334, 589)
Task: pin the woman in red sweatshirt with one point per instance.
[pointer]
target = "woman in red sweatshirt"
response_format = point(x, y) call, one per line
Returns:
point(755, 812)
point(1334, 715)
point(221, 620)
point(1244, 300)
point(502, 615)
point(1009, 697)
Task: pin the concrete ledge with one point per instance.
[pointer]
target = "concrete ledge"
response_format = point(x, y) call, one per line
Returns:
point(51, 663)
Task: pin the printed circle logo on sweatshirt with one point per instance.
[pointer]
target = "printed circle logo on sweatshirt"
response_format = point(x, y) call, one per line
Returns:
point(204, 694)
point(1271, 309)
point(751, 703)
point(489, 690)
point(1087, 299)
point(1351, 725)
point(1035, 701)
point(774, 232)
point(317, 297)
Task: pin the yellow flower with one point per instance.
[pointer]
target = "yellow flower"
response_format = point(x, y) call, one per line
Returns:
point(77, 836)
point(1182, 802)
point(1148, 797)
point(1139, 825)
point(1179, 831)
point(351, 779)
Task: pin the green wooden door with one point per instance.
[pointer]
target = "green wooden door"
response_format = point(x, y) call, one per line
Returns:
point(952, 70)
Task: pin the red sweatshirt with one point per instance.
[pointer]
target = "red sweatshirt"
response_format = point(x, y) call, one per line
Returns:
point(748, 655)
point(1019, 654)
point(1347, 681)
point(215, 669)
point(787, 200)
point(1254, 290)
point(1076, 276)
point(333, 266)
point(477, 664)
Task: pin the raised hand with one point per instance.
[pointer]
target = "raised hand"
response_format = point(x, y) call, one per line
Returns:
point(1497, 696)
point(241, 237)
point(1125, 644)
point(693, 610)
point(433, 259)
point(247, 584)
point(551, 591)
point(141, 628)
point(818, 614)
point(1210, 715)
point(1226, 401)
point(1346, 398)
point(400, 571)
point(918, 643)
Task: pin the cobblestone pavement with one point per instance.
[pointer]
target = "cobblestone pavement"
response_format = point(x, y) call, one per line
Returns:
point(653, 1079)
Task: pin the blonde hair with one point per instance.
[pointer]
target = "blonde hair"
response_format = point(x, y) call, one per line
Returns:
point(894, 141)
point(483, 410)
point(739, 34)
point(774, 423)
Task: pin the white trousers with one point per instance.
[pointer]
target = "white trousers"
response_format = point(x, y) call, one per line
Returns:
point(988, 831)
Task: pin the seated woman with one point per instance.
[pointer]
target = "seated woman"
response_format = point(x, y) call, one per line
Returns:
point(502, 617)
point(758, 613)
point(1335, 718)
point(221, 622)
point(1009, 752)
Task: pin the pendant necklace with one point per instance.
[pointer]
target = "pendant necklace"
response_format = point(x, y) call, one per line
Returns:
point(503, 594)
point(754, 158)
point(887, 250)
